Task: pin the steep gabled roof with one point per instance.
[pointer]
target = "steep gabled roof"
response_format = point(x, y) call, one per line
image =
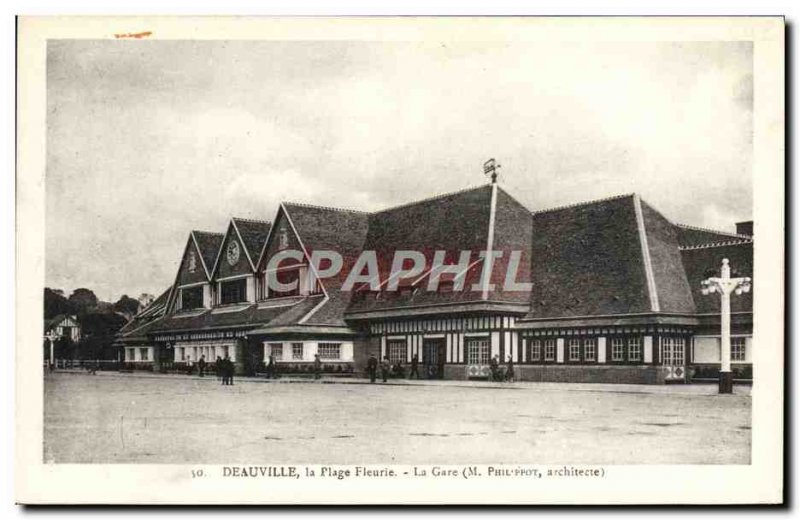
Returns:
point(663, 239)
point(343, 231)
point(55, 320)
point(587, 260)
point(208, 245)
point(254, 235)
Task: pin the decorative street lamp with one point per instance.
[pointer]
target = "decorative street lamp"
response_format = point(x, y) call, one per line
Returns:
point(52, 336)
point(725, 285)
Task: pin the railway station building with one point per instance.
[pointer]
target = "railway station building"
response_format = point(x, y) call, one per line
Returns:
point(600, 291)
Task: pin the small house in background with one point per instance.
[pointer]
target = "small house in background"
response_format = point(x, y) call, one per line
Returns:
point(63, 326)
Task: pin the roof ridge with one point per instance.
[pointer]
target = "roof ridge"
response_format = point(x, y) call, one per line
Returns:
point(429, 199)
point(716, 244)
point(328, 208)
point(256, 220)
point(208, 232)
point(585, 203)
point(727, 233)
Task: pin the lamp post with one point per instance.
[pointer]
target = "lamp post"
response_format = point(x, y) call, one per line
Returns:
point(725, 285)
point(51, 336)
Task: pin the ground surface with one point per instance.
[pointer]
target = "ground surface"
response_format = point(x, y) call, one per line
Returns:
point(136, 419)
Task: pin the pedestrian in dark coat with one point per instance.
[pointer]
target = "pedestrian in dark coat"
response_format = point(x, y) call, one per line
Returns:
point(510, 369)
point(271, 367)
point(414, 367)
point(386, 366)
point(231, 369)
point(494, 366)
point(317, 367)
point(218, 368)
point(372, 367)
point(201, 365)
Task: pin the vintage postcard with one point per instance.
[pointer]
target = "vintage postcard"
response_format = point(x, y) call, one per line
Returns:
point(400, 260)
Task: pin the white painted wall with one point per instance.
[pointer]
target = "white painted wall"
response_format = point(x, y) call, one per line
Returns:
point(707, 349)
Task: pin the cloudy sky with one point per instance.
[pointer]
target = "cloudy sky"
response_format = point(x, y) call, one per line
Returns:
point(150, 139)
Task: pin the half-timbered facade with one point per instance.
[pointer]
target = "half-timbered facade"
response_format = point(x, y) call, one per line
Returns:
point(601, 291)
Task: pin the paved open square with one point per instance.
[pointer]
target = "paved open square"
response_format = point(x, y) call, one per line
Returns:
point(111, 418)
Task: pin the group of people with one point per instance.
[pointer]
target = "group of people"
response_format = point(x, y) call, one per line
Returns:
point(272, 371)
point(497, 373)
point(387, 368)
point(223, 367)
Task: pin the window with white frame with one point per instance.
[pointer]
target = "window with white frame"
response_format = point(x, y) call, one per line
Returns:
point(297, 351)
point(131, 354)
point(478, 351)
point(673, 348)
point(617, 349)
point(738, 349)
point(590, 349)
point(635, 349)
point(397, 350)
point(329, 350)
point(144, 353)
point(549, 350)
point(181, 354)
point(574, 349)
point(536, 350)
point(276, 351)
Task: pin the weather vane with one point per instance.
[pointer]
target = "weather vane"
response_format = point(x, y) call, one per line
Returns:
point(491, 167)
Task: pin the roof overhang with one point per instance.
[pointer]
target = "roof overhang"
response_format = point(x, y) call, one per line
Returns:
point(441, 309)
point(608, 320)
point(303, 329)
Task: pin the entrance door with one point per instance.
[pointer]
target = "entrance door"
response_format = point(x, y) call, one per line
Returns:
point(673, 356)
point(433, 357)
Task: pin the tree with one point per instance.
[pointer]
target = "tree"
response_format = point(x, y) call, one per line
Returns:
point(55, 303)
point(126, 306)
point(83, 299)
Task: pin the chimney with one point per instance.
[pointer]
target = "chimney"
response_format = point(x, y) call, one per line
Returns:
point(745, 228)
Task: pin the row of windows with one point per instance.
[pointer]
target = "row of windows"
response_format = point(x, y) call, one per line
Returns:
point(331, 351)
point(622, 349)
point(235, 291)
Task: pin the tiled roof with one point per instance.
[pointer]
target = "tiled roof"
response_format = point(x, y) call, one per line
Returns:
point(692, 236)
point(254, 233)
point(703, 262)
point(343, 231)
point(672, 288)
point(453, 222)
point(55, 320)
point(587, 260)
point(249, 317)
point(156, 309)
point(209, 244)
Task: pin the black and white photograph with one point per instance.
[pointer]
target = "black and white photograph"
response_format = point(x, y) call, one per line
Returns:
point(383, 250)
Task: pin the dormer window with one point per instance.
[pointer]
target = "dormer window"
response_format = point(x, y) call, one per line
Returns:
point(303, 281)
point(233, 291)
point(191, 298)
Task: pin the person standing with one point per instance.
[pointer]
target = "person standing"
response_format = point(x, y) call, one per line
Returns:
point(271, 367)
point(510, 369)
point(218, 368)
point(201, 365)
point(494, 367)
point(317, 366)
point(385, 367)
point(231, 369)
point(414, 367)
point(372, 367)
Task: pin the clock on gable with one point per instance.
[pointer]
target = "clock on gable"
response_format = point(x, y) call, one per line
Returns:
point(232, 253)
